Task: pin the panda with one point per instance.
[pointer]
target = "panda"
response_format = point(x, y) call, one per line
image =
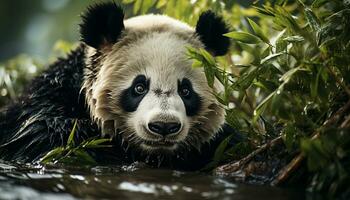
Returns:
point(129, 80)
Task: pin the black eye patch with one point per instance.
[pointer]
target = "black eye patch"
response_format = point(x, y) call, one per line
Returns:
point(191, 99)
point(130, 99)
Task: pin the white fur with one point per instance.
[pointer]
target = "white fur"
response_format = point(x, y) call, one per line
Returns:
point(151, 20)
point(154, 46)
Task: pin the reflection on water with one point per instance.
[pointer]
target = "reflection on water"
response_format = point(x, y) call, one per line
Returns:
point(125, 182)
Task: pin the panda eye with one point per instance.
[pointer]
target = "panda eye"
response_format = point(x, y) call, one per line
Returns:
point(140, 89)
point(185, 92)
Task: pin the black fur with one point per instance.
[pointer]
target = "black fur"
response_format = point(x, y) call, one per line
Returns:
point(210, 28)
point(43, 117)
point(102, 24)
point(129, 100)
point(192, 101)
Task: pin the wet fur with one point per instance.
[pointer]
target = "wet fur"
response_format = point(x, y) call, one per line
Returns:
point(87, 84)
point(43, 117)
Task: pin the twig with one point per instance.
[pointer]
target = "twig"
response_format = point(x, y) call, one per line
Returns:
point(339, 81)
point(286, 172)
point(236, 165)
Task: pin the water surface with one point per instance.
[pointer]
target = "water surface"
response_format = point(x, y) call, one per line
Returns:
point(126, 182)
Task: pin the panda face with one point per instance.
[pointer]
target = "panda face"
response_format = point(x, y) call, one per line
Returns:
point(161, 98)
point(140, 84)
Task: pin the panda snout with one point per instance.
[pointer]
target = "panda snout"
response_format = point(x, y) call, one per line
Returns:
point(164, 128)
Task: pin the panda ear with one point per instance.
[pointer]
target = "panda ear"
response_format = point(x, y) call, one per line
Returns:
point(102, 24)
point(210, 28)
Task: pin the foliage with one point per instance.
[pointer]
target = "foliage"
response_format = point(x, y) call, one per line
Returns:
point(74, 153)
point(17, 72)
point(296, 79)
point(287, 74)
point(14, 74)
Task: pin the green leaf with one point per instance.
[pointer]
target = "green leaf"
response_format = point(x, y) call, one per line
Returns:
point(210, 75)
point(233, 119)
point(70, 142)
point(137, 6)
point(128, 1)
point(267, 10)
point(312, 19)
point(288, 75)
point(258, 31)
point(289, 134)
point(207, 56)
point(316, 155)
point(318, 3)
point(219, 152)
point(84, 157)
point(246, 80)
point(315, 83)
point(96, 143)
point(146, 5)
point(294, 38)
point(206, 60)
point(243, 37)
point(52, 155)
point(262, 106)
point(270, 58)
point(161, 3)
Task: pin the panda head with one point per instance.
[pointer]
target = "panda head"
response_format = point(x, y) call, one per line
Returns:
point(140, 84)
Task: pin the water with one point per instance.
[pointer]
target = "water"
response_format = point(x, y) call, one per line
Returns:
point(125, 182)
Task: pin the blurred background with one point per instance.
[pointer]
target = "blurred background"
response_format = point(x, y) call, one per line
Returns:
point(33, 27)
point(35, 33)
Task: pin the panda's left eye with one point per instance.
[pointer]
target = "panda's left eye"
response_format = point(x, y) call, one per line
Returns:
point(140, 89)
point(185, 92)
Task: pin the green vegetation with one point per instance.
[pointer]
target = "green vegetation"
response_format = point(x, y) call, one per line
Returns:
point(287, 75)
point(17, 72)
point(295, 77)
point(74, 153)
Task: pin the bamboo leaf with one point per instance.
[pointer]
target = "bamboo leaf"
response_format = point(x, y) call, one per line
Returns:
point(315, 83)
point(318, 3)
point(206, 55)
point(261, 107)
point(161, 3)
point(243, 37)
point(128, 1)
point(258, 31)
point(52, 155)
point(219, 152)
point(312, 19)
point(137, 6)
point(84, 157)
point(294, 38)
point(97, 143)
point(270, 58)
point(70, 142)
point(146, 5)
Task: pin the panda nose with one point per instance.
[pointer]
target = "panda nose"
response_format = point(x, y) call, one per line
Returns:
point(164, 129)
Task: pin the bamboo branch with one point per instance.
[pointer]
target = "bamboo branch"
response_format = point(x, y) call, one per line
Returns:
point(236, 165)
point(286, 172)
point(338, 80)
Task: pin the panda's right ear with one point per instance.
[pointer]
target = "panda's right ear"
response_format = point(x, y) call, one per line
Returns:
point(102, 24)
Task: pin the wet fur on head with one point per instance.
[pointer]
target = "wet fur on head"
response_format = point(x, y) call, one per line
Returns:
point(153, 45)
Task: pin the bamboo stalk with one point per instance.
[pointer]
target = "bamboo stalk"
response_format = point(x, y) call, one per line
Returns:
point(286, 172)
